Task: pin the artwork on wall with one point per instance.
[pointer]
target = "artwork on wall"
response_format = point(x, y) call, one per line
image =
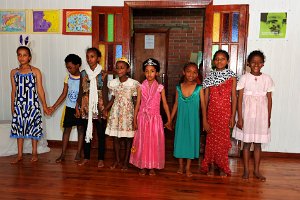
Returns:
point(46, 21)
point(77, 22)
point(273, 25)
point(13, 21)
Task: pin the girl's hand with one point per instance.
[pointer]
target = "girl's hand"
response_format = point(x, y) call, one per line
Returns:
point(240, 124)
point(206, 126)
point(51, 110)
point(168, 125)
point(46, 111)
point(135, 126)
point(269, 123)
point(232, 122)
point(77, 112)
point(104, 113)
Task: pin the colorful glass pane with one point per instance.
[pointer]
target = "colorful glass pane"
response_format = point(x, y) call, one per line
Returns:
point(118, 51)
point(214, 49)
point(224, 47)
point(216, 27)
point(102, 59)
point(233, 57)
point(110, 57)
point(235, 27)
point(110, 28)
point(119, 28)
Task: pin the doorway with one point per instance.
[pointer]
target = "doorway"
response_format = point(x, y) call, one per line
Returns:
point(178, 34)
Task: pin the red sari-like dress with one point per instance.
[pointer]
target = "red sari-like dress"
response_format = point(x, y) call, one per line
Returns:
point(218, 116)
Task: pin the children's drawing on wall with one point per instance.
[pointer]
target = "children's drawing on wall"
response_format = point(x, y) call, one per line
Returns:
point(12, 21)
point(273, 25)
point(46, 21)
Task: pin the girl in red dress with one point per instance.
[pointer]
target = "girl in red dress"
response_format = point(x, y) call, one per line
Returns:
point(220, 96)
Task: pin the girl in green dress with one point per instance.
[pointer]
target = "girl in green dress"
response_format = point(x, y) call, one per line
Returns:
point(187, 129)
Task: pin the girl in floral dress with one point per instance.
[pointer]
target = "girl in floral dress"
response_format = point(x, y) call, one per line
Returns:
point(120, 120)
point(220, 94)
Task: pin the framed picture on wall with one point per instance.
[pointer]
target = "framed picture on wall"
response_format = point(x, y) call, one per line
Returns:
point(273, 25)
point(13, 21)
point(46, 21)
point(77, 22)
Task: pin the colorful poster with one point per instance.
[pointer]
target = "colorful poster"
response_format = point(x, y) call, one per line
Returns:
point(77, 21)
point(47, 21)
point(273, 25)
point(12, 21)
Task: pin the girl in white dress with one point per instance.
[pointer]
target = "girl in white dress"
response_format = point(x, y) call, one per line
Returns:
point(254, 111)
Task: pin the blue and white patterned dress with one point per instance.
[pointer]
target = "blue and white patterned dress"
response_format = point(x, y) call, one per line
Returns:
point(27, 116)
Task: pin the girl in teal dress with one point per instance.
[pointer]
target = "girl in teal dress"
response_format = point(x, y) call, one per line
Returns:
point(187, 129)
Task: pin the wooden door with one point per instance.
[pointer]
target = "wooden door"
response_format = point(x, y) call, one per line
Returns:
point(110, 34)
point(150, 44)
point(226, 27)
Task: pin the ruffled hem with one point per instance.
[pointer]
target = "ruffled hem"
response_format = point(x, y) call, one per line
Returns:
point(27, 137)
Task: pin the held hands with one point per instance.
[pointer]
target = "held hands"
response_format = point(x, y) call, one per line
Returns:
point(51, 110)
point(135, 126)
point(240, 124)
point(47, 110)
point(105, 113)
point(77, 112)
point(232, 122)
point(168, 125)
point(206, 126)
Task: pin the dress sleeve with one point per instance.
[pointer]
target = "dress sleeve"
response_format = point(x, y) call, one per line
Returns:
point(270, 85)
point(160, 88)
point(136, 84)
point(110, 87)
point(241, 83)
point(66, 79)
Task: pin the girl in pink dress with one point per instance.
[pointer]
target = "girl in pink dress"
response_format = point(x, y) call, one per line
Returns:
point(254, 111)
point(148, 149)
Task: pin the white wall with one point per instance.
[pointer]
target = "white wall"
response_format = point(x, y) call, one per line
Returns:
point(49, 52)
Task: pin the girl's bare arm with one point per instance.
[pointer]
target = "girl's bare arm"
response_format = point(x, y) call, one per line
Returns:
point(206, 126)
point(62, 97)
point(233, 103)
point(40, 89)
point(175, 106)
point(240, 122)
point(269, 96)
point(137, 107)
point(13, 89)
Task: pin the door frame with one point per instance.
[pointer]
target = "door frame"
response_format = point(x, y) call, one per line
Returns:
point(129, 5)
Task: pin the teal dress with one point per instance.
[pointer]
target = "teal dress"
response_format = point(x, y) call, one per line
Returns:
point(187, 129)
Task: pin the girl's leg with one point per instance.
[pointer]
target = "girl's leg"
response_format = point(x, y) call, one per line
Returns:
point(65, 140)
point(246, 157)
point(128, 143)
point(20, 142)
point(211, 171)
point(257, 157)
point(180, 169)
point(80, 132)
point(100, 126)
point(117, 153)
point(34, 150)
point(188, 168)
point(86, 147)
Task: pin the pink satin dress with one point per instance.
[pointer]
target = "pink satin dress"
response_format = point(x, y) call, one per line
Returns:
point(148, 148)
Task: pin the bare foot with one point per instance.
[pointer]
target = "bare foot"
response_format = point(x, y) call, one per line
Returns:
point(189, 173)
point(223, 174)
point(245, 175)
point(180, 170)
point(115, 165)
point(124, 167)
point(17, 160)
point(142, 172)
point(34, 158)
point(100, 164)
point(77, 157)
point(152, 172)
point(60, 159)
point(84, 162)
point(259, 176)
point(211, 171)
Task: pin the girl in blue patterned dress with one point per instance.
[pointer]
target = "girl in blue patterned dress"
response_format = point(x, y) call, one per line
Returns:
point(26, 82)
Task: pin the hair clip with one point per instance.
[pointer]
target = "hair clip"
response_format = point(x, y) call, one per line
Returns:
point(150, 62)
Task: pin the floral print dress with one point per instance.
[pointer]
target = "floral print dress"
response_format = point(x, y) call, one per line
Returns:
point(120, 120)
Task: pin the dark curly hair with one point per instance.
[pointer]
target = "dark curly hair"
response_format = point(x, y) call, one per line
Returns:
point(94, 49)
point(256, 53)
point(73, 58)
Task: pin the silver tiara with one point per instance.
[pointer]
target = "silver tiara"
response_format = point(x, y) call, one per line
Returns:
point(150, 62)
